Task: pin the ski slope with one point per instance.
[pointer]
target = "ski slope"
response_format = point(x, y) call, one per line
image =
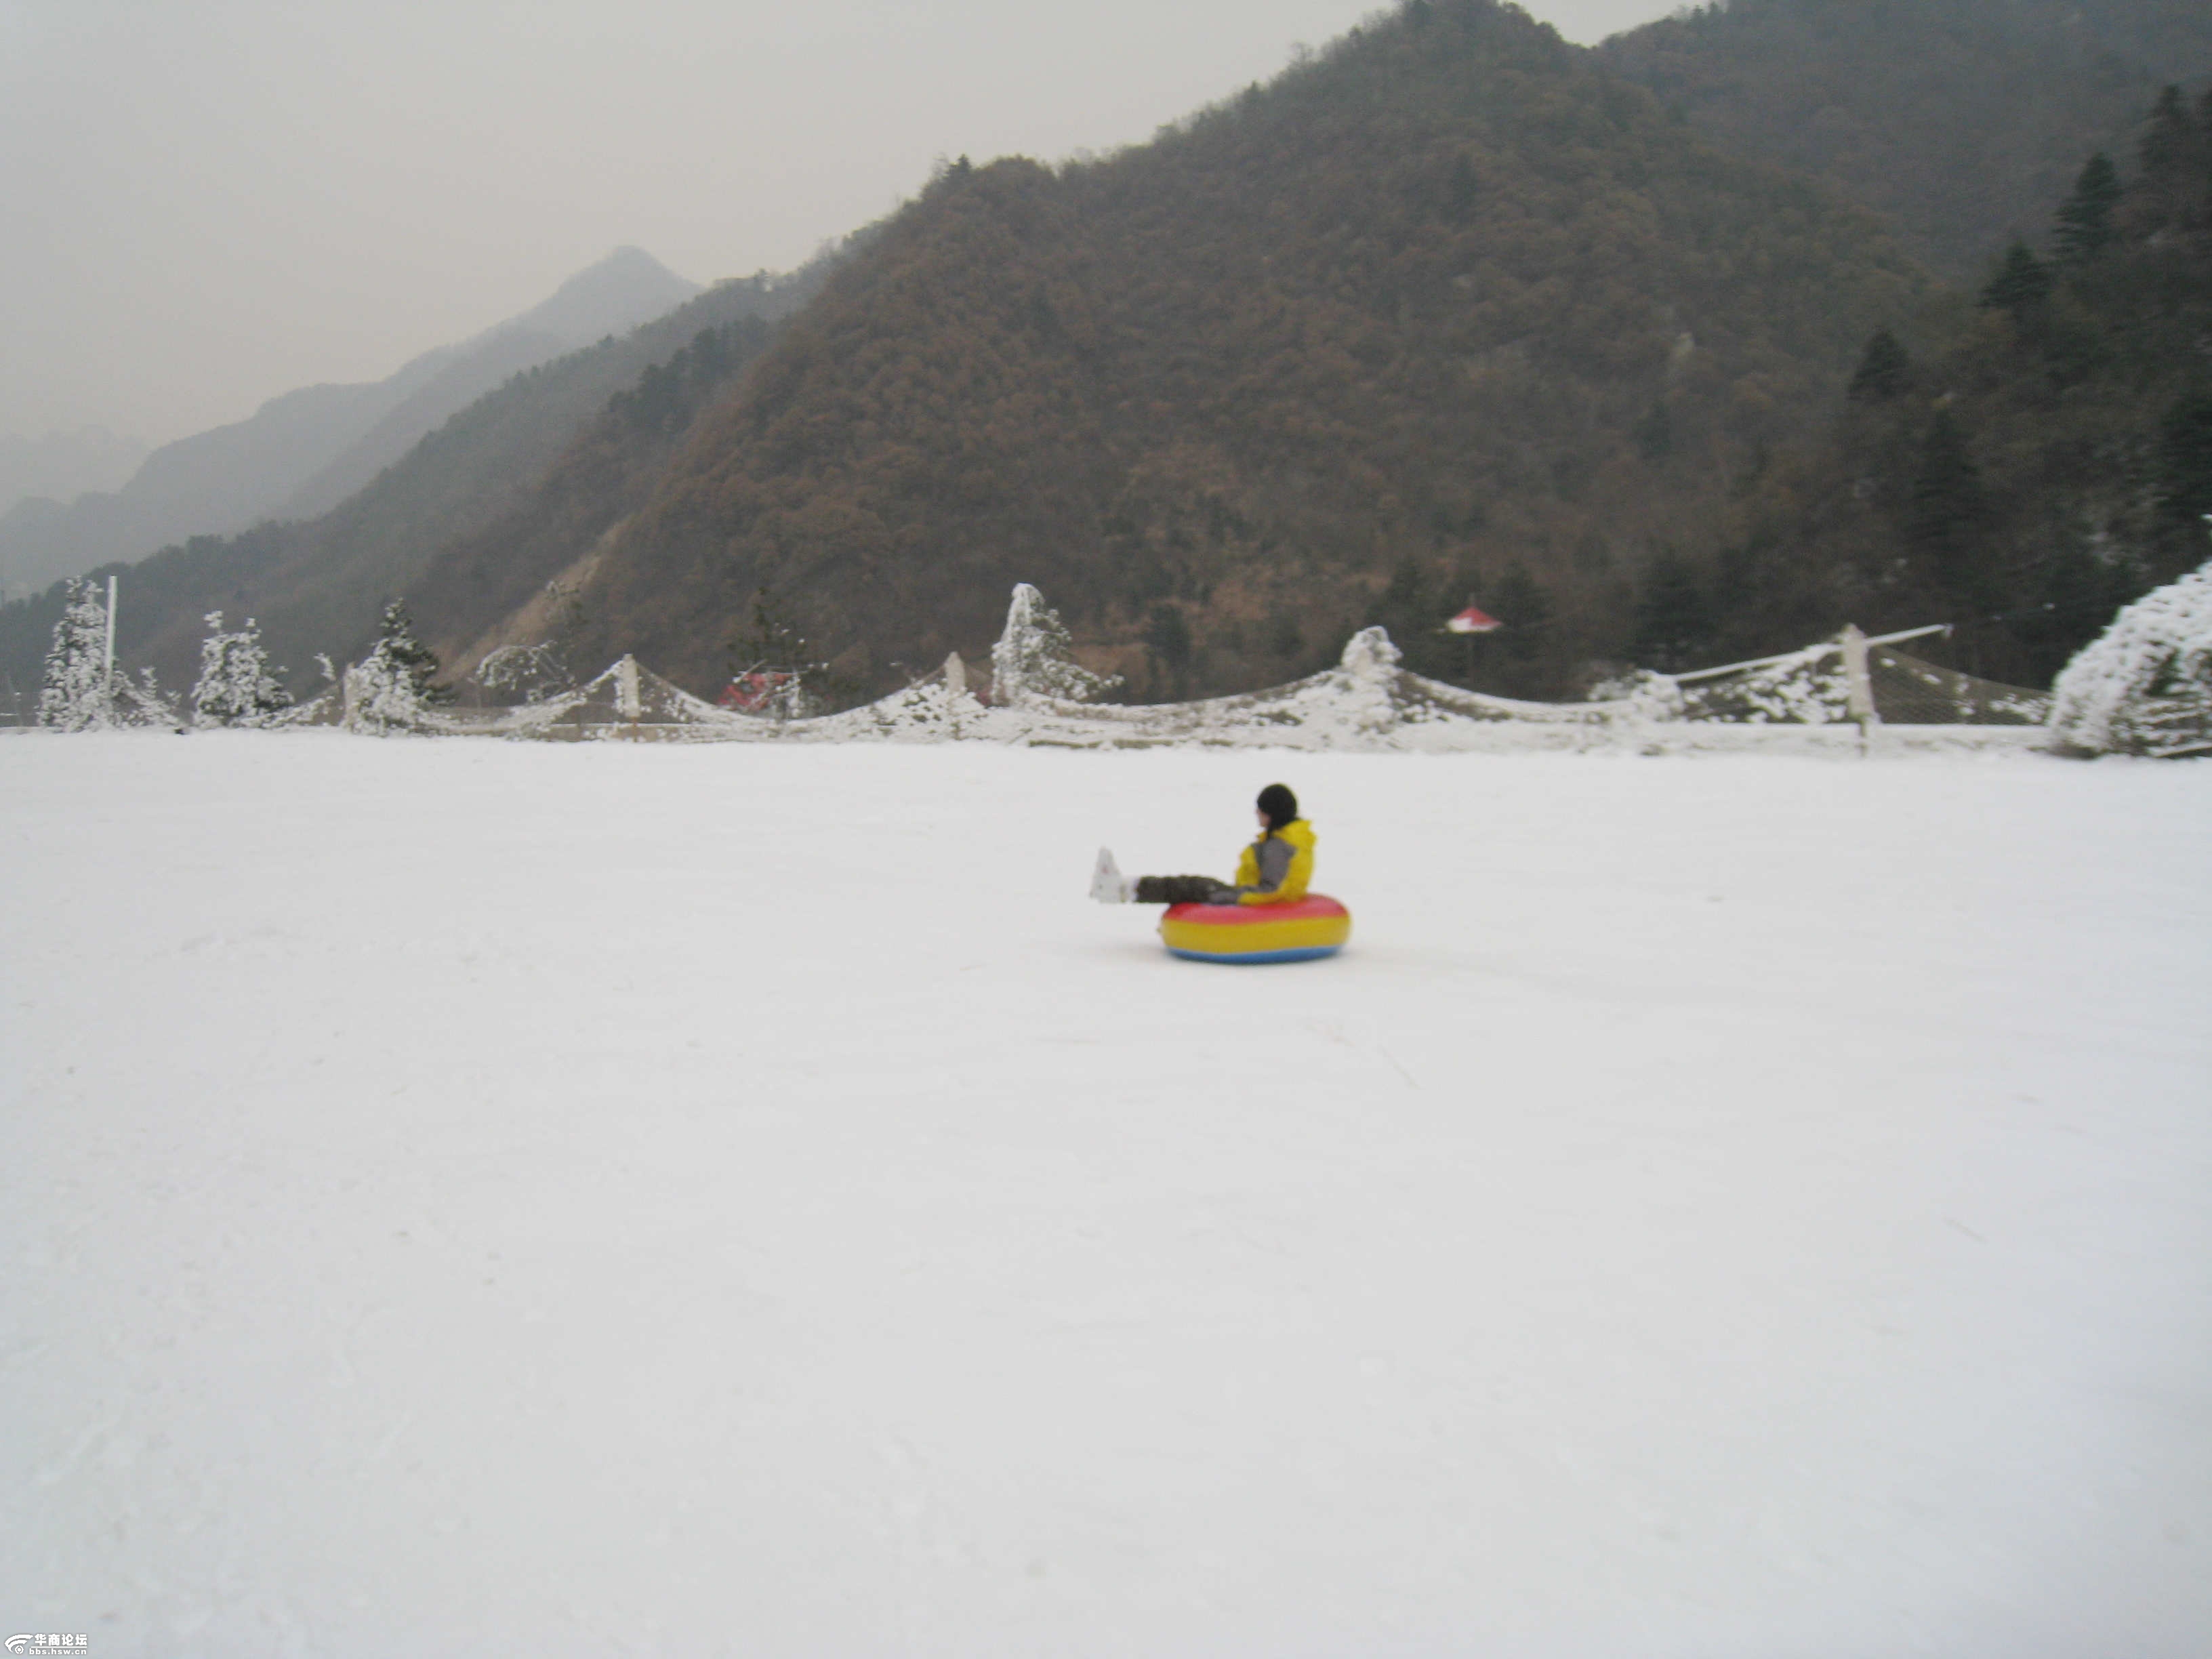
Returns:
point(474, 1198)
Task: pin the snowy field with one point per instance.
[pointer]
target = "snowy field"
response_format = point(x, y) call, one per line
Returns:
point(467, 1198)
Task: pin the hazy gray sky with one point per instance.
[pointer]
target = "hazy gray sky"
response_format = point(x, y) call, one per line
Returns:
point(210, 202)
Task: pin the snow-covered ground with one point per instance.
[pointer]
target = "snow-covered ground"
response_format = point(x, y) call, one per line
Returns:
point(505, 1199)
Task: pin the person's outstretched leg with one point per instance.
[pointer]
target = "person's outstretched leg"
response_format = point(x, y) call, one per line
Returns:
point(1109, 886)
point(1176, 889)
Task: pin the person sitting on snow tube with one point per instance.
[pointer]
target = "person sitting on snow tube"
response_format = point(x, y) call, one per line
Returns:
point(1275, 869)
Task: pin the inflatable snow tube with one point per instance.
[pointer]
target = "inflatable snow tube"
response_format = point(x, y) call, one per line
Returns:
point(1314, 926)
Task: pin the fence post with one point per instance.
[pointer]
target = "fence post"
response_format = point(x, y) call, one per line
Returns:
point(1858, 683)
point(627, 702)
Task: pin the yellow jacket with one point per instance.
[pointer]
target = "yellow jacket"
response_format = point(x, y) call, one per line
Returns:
point(1264, 876)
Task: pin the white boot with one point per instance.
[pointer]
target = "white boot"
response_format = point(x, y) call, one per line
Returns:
point(1107, 884)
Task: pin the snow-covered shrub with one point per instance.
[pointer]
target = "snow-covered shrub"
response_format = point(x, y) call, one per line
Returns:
point(75, 694)
point(1806, 688)
point(2160, 646)
point(1649, 695)
point(391, 689)
point(235, 687)
point(1368, 680)
point(1372, 655)
point(524, 673)
point(1033, 661)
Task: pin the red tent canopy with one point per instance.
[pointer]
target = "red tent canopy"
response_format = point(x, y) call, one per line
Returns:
point(1472, 621)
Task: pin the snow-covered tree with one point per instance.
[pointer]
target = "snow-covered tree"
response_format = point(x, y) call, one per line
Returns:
point(2159, 646)
point(391, 689)
point(142, 702)
point(530, 673)
point(235, 687)
point(75, 696)
point(1372, 656)
point(1033, 661)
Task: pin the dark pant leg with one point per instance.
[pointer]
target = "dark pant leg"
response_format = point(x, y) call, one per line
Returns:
point(1176, 889)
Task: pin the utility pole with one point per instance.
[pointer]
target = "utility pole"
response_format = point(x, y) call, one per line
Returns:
point(107, 665)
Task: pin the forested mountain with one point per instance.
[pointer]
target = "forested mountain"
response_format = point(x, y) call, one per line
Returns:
point(1964, 120)
point(1448, 304)
point(2020, 459)
point(301, 453)
point(516, 581)
point(317, 586)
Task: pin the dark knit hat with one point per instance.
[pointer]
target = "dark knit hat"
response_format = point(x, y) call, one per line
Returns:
point(1280, 805)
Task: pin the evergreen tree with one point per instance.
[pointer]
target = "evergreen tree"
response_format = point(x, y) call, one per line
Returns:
point(142, 702)
point(1654, 433)
point(1168, 636)
point(392, 687)
point(2185, 467)
point(1950, 511)
point(2085, 219)
point(1673, 617)
point(2177, 165)
point(1885, 370)
point(1518, 664)
point(2168, 141)
point(75, 696)
point(2020, 285)
point(396, 640)
point(235, 687)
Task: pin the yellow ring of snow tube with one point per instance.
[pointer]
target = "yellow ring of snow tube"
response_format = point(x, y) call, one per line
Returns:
point(1314, 926)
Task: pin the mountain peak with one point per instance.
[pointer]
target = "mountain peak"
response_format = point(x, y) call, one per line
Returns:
point(609, 296)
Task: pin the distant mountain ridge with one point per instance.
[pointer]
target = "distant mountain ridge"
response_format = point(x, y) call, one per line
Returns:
point(304, 452)
point(59, 466)
point(627, 288)
point(316, 585)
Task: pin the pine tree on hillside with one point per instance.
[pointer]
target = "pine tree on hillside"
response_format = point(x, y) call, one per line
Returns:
point(1517, 667)
point(75, 696)
point(2167, 140)
point(1950, 511)
point(1885, 370)
point(235, 687)
point(2020, 285)
point(2185, 467)
point(2085, 219)
point(1673, 617)
point(2173, 155)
